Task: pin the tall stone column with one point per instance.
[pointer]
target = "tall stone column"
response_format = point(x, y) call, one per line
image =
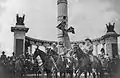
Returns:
point(63, 16)
point(19, 36)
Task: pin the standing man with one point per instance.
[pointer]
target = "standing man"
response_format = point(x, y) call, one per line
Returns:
point(13, 58)
point(3, 56)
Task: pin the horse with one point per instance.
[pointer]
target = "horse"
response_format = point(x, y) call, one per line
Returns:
point(71, 64)
point(35, 68)
point(47, 62)
point(63, 64)
point(59, 62)
point(86, 64)
point(28, 66)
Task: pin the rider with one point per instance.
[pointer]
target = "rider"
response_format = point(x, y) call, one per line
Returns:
point(60, 49)
point(88, 48)
point(54, 47)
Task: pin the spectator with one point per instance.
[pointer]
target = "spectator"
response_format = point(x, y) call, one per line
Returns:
point(3, 56)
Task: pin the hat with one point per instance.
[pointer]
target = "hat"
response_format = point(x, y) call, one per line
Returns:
point(53, 44)
point(60, 43)
point(3, 52)
point(88, 39)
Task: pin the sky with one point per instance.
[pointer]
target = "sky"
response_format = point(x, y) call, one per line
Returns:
point(88, 17)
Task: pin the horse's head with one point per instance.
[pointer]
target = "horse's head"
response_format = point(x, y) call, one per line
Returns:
point(40, 53)
point(51, 52)
point(36, 53)
point(77, 50)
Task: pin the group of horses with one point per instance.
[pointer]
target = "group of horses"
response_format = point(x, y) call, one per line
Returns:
point(74, 66)
point(61, 66)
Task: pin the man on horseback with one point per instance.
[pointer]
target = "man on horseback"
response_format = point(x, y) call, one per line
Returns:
point(62, 49)
point(88, 48)
point(54, 47)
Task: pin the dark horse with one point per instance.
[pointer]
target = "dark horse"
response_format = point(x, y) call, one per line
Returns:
point(63, 64)
point(47, 62)
point(85, 64)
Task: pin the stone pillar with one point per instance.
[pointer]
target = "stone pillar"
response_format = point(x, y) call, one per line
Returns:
point(111, 40)
point(111, 45)
point(19, 36)
point(63, 16)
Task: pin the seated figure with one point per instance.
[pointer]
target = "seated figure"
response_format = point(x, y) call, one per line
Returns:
point(54, 47)
point(88, 48)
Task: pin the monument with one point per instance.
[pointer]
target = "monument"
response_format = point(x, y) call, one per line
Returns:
point(111, 40)
point(19, 35)
point(63, 38)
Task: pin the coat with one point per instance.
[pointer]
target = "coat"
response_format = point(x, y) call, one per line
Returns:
point(88, 49)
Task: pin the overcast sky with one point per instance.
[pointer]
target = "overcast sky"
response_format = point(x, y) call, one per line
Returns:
point(88, 17)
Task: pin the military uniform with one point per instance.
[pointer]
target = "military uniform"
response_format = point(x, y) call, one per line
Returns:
point(55, 49)
point(88, 49)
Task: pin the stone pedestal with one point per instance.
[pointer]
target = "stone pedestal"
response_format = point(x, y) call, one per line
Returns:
point(19, 38)
point(111, 44)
